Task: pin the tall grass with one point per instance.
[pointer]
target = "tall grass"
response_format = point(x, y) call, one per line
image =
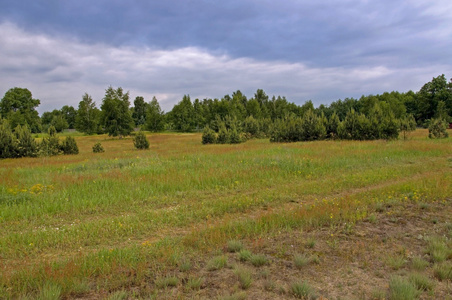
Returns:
point(68, 219)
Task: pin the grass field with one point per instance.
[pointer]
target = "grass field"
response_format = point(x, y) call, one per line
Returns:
point(259, 220)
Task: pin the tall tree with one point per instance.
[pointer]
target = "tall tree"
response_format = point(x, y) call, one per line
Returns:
point(69, 113)
point(85, 120)
point(430, 94)
point(116, 116)
point(182, 115)
point(19, 107)
point(155, 119)
point(139, 111)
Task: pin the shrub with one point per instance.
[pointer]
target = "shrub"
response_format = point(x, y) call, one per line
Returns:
point(8, 142)
point(50, 145)
point(223, 135)
point(140, 141)
point(26, 144)
point(437, 129)
point(97, 148)
point(209, 136)
point(69, 146)
point(234, 136)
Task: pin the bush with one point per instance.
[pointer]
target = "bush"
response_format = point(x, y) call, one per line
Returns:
point(140, 141)
point(209, 136)
point(50, 145)
point(69, 146)
point(26, 144)
point(97, 148)
point(223, 135)
point(8, 142)
point(437, 129)
point(234, 136)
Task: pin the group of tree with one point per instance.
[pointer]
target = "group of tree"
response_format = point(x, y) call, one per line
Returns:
point(19, 142)
point(258, 116)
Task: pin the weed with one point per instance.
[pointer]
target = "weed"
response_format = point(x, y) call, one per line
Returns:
point(50, 291)
point(195, 283)
point(258, 260)
point(164, 282)
point(372, 219)
point(443, 271)
point(234, 246)
point(245, 255)
point(244, 277)
point(217, 263)
point(310, 243)
point(119, 295)
point(396, 262)
point(301, 260)
point(402, 289)
point(302, 290)
point(421, 281)
point(419, 263)
point(438, 250)
point(185, 266)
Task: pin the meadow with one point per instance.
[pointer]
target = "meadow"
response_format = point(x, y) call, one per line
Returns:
point(257, 220)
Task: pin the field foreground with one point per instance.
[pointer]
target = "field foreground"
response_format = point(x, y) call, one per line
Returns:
point(328, 219)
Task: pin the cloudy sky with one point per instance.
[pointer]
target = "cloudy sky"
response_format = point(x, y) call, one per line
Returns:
point(320, 50)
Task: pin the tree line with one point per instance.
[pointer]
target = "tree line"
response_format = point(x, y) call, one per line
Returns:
point(259, 116)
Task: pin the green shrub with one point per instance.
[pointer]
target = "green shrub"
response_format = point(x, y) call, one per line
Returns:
point(8, 142)
point(223, 135)
point(437, 129)
point(234, 136)
point(98, 148)
point(26, 144)
point(50, 144)
point(209, 136)
point(69, 146)
point(140, 141)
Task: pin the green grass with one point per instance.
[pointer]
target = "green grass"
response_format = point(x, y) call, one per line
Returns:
point(167, 281)
point(80, 220)
point(421, 282)
point(234, 246)
point(244, 276)
point(402, 289)
point(302, 290)
point(217, 263)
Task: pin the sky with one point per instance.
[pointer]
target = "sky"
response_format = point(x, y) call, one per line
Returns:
point(304, 50)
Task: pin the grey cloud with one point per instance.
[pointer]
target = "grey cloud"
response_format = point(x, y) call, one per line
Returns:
point(70, 68)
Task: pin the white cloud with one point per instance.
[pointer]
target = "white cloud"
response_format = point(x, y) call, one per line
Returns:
point(59, 71)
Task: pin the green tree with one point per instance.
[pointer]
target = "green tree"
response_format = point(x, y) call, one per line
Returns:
point(69, 113)
point(59, 122)
point(155, 119)
point(19, 107)
point(116, 117)
point(86, 120)
point(429, 96)
point(140, 141)
point(182, 115)
point(139, 111)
